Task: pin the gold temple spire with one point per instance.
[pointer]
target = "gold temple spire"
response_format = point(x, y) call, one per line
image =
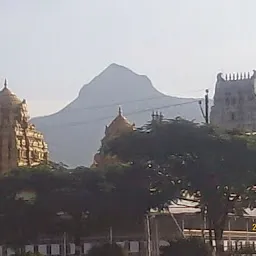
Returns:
point(120, 112)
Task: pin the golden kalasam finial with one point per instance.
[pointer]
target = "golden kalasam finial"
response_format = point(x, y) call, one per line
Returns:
point(119, 111)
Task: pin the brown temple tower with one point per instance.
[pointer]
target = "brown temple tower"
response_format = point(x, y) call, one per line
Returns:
point(118, 126)
point(20, 143)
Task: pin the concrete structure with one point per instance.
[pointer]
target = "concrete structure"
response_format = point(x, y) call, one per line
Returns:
point(235, 102)
point(20, 143)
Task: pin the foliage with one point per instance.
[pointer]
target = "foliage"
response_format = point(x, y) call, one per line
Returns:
point(28, 254)
point(249, 250)
point(163, 162)
point(25, 204)
point(189, 246)
point(216, 168)
point(80, 202)
point(134, 191)
point(106, 250)
point(61, 201)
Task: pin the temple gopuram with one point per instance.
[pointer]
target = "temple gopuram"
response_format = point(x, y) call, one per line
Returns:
point(20, 143)
point(117, 127)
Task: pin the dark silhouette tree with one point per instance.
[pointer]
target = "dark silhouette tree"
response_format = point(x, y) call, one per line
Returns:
point(217, 168)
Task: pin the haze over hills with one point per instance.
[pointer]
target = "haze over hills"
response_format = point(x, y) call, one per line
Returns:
point(74, 133)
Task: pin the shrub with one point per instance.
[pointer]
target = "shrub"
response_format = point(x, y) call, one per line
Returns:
point(187, 246)
point(106, 250)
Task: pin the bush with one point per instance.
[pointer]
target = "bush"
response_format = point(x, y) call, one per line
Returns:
point(187, 246)
point(106, 250)
point(243, 251)
point(28, 254)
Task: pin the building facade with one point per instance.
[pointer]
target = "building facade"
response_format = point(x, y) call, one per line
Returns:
point(20, 143)
point(235, 102)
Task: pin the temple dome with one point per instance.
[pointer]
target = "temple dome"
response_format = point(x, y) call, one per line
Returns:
point(119, 125)
point(7, 97)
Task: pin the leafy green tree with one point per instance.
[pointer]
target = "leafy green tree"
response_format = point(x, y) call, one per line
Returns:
point(25, 211)
point(132, 192)
point(79, 202)
point(217, 168)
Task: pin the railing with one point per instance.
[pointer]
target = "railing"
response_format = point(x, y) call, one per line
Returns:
point(240, 235)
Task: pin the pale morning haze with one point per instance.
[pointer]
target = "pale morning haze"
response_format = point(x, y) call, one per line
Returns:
point(49, 49)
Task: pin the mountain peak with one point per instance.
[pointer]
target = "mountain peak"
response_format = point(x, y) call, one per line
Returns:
point(74, 133)
point(117, 79)
point(117, 68)
point(115, 65)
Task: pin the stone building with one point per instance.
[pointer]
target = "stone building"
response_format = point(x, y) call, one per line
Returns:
point(117, 127)
point(20, 143)
point(235, 102)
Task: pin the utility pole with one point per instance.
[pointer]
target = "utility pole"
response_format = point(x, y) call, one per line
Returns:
point(149, 242)
point(65, 244)
point(205, 112)
point(206, 98)
point(111, 235)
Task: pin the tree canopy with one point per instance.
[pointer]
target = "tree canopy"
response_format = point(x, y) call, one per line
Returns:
point(162, 162)
point(81, 201)
point(217, 168)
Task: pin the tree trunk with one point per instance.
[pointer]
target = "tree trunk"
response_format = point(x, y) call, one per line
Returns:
point(78, 246)
point(203, 225)
point(218, 233)
point(19, 250)
point(210, 231)
point(219, 227)
point(77, 237)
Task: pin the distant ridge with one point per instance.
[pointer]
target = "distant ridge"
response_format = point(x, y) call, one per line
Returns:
point(74, 133)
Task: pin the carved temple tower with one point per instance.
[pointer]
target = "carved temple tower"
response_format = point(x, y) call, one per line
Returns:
point(20, 143)
point(235, 102)
point(117, 127)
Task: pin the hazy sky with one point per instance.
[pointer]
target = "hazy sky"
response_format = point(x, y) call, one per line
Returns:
point(50, 48)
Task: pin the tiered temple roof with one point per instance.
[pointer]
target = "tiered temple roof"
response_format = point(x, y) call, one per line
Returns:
point(20, 143)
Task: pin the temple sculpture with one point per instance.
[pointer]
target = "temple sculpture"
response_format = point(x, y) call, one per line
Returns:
point(20, 143)
point(235, 102)
point(117, 127)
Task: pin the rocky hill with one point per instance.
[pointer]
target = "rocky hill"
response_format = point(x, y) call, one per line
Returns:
point(74, 133)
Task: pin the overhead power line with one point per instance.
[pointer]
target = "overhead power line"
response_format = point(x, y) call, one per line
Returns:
point(95, 107)
point(64, 125)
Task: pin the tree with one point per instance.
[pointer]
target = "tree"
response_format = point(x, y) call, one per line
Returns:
point(43, 200)
point(79, 202)
point(216, 167)
point(25, 208)
point(132, 192)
